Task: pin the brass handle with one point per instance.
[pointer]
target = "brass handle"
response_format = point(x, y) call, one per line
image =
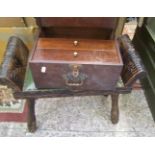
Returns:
point(75, 43)
point(74, 84)
point(75, 54)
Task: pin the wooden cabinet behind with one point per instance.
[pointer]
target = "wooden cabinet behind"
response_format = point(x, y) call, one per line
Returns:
point(81, 27)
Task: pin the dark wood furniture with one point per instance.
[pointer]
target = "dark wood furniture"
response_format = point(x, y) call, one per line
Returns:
point(145, 43)
point(79, 27)
point(24, 88)
point(83, 64)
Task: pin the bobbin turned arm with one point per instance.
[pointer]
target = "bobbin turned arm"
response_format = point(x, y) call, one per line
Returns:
point(13, 67)
point(133, 68)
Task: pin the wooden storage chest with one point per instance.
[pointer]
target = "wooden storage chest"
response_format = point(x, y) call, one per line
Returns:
point(76, 64)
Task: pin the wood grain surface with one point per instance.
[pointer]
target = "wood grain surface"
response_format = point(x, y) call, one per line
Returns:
point(88, 51)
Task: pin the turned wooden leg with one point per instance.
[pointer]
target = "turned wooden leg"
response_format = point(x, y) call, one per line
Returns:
point(114, 108)
point(31, 120)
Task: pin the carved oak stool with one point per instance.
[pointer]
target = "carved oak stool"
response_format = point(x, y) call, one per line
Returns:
point(16, 74)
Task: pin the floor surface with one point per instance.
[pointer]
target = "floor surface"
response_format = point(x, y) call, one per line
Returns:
point(87, 116)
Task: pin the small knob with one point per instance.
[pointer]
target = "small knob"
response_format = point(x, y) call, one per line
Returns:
point(75, 54)
point(76, 42)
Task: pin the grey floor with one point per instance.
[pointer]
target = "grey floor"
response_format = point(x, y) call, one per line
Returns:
point(87, 116)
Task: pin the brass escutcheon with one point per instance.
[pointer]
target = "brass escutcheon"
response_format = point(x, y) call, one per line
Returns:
point(75, 70)
point(75, 78)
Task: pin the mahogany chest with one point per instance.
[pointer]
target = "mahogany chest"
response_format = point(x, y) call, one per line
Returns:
point(76, 64)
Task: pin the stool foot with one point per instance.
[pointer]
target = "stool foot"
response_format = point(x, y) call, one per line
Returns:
point(31, 120)
point(114, 109)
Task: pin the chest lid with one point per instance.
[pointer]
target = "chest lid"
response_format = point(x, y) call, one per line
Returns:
point(80, 51)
